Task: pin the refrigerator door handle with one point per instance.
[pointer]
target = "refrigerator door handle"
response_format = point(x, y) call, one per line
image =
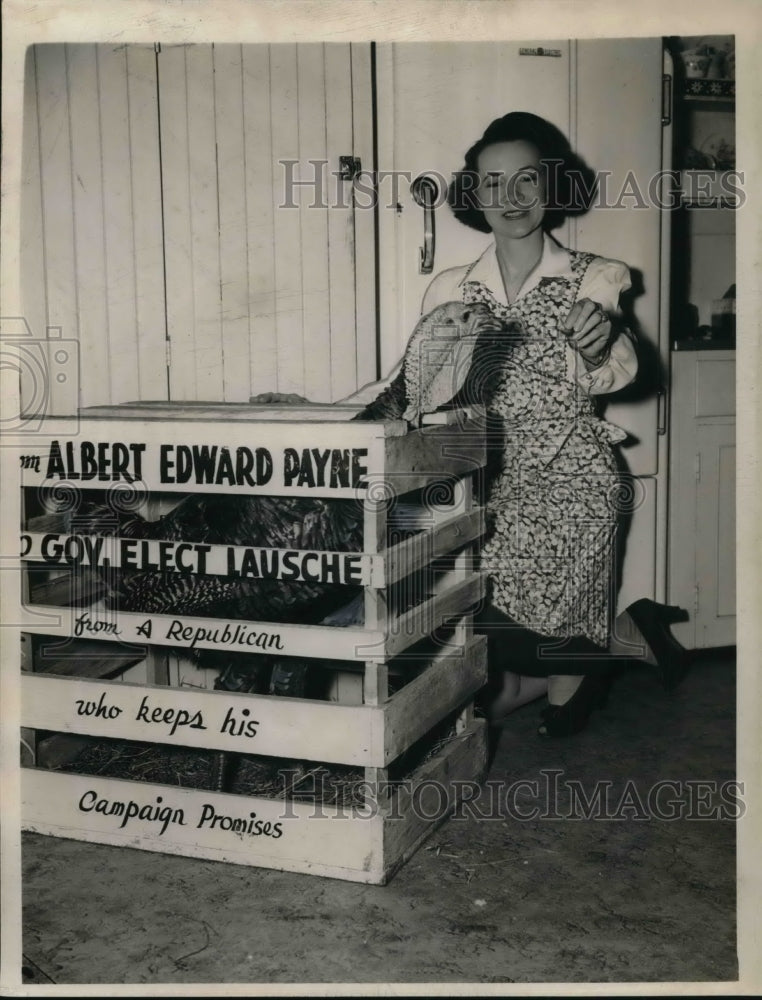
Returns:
point(661, 410)
point(425, 190)
point(666, 99)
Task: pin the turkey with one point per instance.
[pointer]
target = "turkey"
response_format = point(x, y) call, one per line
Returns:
point(452, 358)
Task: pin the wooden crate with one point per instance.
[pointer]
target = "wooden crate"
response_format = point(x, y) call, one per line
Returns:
point(360, 845)
point(375, 462)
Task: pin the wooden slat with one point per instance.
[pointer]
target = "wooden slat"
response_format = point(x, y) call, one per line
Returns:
point(364, 218)
point(90, 224)
point(259, 185)
point(33, 281)
point(354, 567)
point(341, 250)
point(428, 616)
point(231, 186)
point(118, 226)
point(368, 569)
point(52, 804)
point(355, 845)
point(147, 222)
point(439, 689)
point(214, 720)
point(313, 222)
point(463, 759)
point(414, 553)
point(284, 103)
point(321, 641)
point(374, 598)
point(172, 434)
point(57, 202)
point(205, 221)
point(178, 233)
point(316, 412)
point(27, 737)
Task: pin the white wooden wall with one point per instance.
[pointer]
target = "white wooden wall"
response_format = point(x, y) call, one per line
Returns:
point(91, 215)
point(153, 218)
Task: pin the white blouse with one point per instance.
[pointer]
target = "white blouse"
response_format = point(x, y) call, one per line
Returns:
point(603, 283)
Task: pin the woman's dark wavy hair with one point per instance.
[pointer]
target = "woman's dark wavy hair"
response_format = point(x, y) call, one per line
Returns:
point(570, 183)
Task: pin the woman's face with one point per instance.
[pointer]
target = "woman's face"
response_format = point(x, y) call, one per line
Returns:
point(511, 188)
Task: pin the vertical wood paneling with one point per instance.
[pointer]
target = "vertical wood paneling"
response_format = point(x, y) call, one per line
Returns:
point(259, 214)
point(89, 230)
point(170, 169)
point(272, 286)
point(147, 221)
point(204, 218)
point(117, 220)
point(284, 100)
point(34, 292)
point(231, 169)
point(57, 204)
point(33, 285)
point(81, 253)
point(341, 247)
point(178, 263)
point(314, 222)
point(364, 219)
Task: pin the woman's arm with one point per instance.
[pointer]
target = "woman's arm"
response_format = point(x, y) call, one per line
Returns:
point(604, 352)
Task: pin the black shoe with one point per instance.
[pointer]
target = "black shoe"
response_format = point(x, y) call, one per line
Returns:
point(653, 621)
point(573, 715)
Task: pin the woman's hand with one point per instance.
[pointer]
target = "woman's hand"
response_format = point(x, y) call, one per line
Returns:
point(588, 330)
point(283, 398)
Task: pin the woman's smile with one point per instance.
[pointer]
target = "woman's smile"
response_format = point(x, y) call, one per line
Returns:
point(511, 190)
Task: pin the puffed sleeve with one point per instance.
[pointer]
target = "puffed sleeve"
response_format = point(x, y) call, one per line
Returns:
point(604, 282)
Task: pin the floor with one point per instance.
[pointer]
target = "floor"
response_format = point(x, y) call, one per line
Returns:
point(629, 895)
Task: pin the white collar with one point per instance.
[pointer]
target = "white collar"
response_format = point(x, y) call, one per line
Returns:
point(555, 262)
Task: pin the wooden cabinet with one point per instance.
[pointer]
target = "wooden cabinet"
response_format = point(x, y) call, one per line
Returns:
point(701, 573)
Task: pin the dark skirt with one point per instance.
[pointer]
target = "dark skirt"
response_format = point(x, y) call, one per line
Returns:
point(514, 647)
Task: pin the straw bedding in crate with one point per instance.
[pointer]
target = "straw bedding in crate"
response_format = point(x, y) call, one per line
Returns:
point(264, 777)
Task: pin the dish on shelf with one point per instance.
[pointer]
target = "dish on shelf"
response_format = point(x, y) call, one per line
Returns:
point(720, 154)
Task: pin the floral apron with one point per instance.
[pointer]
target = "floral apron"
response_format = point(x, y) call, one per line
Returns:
point(552, 506)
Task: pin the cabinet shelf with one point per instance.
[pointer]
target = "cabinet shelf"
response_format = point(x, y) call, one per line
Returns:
point(709, 91)
point(710, 188)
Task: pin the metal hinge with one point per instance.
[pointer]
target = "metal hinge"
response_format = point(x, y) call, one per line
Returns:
point(157, 47)
point(695, 600)
point(697, 466)
point(666, 99)
point(168, 353)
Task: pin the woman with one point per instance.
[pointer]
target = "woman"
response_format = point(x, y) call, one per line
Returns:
point(552, 498)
